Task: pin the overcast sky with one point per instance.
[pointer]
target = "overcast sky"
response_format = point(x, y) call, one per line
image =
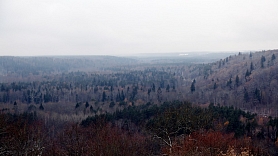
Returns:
point(113, 27)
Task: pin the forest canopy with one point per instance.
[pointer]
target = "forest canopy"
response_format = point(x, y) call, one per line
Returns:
point(209, 104)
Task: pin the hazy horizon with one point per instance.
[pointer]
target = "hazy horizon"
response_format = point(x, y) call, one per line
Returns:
point(138, 54)
point(124, 28)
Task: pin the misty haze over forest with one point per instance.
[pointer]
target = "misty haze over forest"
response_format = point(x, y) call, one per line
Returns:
point(228, 95)
point(138, 78)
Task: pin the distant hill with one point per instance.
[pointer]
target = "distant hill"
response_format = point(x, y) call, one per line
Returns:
point(184, 57)
point(24, 66)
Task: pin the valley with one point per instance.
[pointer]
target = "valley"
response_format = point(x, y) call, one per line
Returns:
point(156, 100)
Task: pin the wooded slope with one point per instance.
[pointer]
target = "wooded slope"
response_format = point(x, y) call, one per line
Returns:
point(247, 81)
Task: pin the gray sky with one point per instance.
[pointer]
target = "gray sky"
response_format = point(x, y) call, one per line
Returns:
point(113, 27)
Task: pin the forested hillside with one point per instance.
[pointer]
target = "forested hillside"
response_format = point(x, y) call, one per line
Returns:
point(246, 81)
point(174, 105)
point(174, 128)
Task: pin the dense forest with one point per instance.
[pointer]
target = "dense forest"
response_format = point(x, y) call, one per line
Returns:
point(205, 104)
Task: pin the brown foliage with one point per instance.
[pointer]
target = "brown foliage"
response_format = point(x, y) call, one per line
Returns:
point(21, 137)
point(213, 143)
point(98, 140)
